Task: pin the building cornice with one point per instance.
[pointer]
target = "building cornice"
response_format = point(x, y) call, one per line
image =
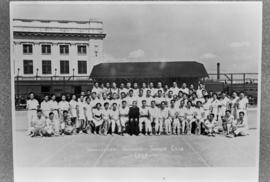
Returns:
point(51, 34)
point(58, 21)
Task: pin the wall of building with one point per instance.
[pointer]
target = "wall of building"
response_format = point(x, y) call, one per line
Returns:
point(73, 57)
point(76, 27)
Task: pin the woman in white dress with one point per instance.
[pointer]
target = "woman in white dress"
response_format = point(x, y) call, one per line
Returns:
point(240, 127)
point(54, 107)
point(81, 115)
point(73, 104)
point(233, 104)
point(241, 105)
point(97, 118)
point(214, 106)
point(88, 114)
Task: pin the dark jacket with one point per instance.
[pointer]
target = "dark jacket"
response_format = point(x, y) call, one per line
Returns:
point(134, 112)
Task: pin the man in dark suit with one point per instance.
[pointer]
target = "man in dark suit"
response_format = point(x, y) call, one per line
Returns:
point(133, 122)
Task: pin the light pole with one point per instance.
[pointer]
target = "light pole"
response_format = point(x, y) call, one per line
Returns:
point(37, 74)
point(73, 72)
point(18, 73)
point(55, 70)
point(17, 85)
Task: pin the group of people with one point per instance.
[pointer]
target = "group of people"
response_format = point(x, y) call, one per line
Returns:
point(145, 110)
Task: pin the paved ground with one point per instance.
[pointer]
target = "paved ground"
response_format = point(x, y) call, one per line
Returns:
point(141, 151)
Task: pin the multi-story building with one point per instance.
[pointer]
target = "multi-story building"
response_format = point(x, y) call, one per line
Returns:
point(55, 56)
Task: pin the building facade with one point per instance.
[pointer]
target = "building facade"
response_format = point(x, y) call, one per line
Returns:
point(50, 54)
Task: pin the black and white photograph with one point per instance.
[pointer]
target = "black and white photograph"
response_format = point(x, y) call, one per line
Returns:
point(135, 85)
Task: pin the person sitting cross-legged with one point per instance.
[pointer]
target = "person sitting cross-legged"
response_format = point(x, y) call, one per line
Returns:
point(52, 125)
point(38, 124)
point(240, 126)
point(67, 127)
point(211, 125)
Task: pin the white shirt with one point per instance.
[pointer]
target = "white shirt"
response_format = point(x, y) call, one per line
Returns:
point(88, 111)
point(168, 100)
point(207, 105)
point(159, 100)
point(45, 106)
point(210, 124)
point(63, 105)
point(144, 111)
point(153, 91)
point(106, 113)
point(184, 90)
point(114, 114)
point(200, 113)
point(117, 101)
point(123, 112)
point(214, 105)
point(175, 90)
point(94, 102)
point(81, 107)
point(164, 113)
point(32, 104)
point(181, 112)
point(157, 89)
point(73, 108)
point(103, 101)
point(130, 100)
point(199, 93)
point(97, 113)
point(224, 103)
point(154, 112)
point(53, 105)
point(242, 103)
point(144, 91)
point(140, 99)
point(173, 112)
point(148, 100)
point(136, 92)
point(97, 90)
point(50, 123)
point(123, 90)
point(114, 90)
point(189, 112)
point(234, 101)
point(38, 122)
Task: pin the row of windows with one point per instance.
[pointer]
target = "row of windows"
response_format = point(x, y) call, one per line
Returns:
point(47, 67)
point(46, 49)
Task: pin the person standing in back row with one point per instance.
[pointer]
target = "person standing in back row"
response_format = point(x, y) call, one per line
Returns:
point(133, 115)
point(31, 106)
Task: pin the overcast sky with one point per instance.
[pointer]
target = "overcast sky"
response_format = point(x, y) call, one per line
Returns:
point(205, 32)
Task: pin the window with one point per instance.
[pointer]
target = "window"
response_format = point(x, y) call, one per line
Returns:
point(45, 89)
point(64, 49)
point(46, 49)
point(96, 50)
point(82, 67)
point(27, 48)
point(64, 67)
point(81, 49)
point(28, 66)
point(46, 67)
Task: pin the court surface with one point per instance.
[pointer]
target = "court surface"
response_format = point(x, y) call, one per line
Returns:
point(134, 151)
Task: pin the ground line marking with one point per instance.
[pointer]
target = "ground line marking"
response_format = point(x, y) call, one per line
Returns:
point(197, 153)
point(56, 152)
point(102, 154)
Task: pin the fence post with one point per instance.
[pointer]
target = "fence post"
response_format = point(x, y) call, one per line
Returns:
point(244, 79)
point(231, 90)
point(64, 84)
point(51, 85)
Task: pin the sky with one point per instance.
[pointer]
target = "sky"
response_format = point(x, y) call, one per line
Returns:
point(207, 32)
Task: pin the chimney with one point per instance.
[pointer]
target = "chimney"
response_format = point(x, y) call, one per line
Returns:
point(218, 71)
